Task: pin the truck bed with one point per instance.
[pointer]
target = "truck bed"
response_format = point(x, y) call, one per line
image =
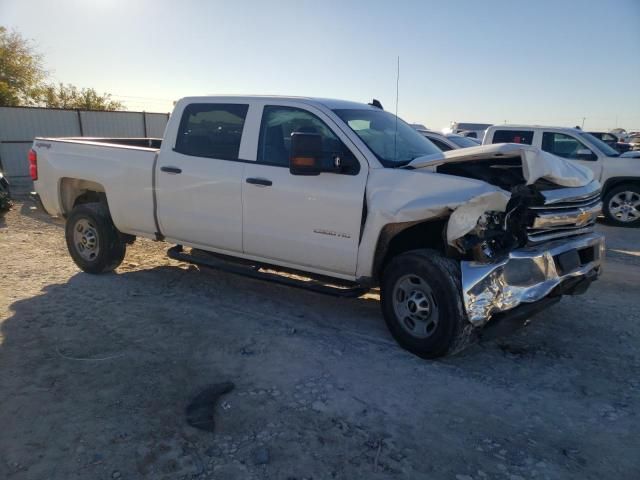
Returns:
point(121, 167)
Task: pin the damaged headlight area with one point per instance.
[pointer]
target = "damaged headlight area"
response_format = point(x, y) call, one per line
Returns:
point(488, 240)
point(499, 232)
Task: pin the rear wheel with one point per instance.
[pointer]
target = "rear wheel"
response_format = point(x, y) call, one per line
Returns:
point(94, 243)
point(422, 306)
point(621, 205)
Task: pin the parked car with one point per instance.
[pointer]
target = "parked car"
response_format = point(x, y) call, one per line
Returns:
point(346, 193)
point(634, 141)
point(621, 133)
point(450, 141)
point(473, 130)
point(618, 173)
point(612, 140)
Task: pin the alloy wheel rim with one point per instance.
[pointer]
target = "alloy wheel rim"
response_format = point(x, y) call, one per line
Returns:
point(625, 206)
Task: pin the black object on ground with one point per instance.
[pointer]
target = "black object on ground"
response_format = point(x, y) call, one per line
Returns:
point(200, 412)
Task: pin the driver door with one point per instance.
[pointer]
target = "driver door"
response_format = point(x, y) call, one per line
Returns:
point(301, 221)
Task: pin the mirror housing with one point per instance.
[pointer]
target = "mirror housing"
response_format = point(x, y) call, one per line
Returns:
point(306, 154)
point(585, 154)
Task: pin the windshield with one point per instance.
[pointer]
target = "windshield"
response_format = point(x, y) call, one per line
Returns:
point(392, 140)
point(463, 142)
point(603, 147)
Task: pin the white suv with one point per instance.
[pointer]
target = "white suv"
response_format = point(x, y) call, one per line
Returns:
point(618, 173)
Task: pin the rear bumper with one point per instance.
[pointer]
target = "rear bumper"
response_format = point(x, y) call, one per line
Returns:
point(528, 275)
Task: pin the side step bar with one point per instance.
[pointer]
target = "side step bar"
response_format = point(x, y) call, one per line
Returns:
point(253, 270)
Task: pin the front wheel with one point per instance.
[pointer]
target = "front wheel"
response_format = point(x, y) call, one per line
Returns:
point(422, 305)
point(94, 243)
point(621, 205)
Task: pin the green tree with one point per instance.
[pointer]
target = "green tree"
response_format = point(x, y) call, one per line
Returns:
point(21, 71)
point(70, 96)
point(23, 80)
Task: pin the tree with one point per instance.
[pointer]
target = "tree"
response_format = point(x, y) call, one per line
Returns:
point(21, 71)
point(69, 96)
point(23, 80)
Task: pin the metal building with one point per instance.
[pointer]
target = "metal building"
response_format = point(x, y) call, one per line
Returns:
point(19, 126)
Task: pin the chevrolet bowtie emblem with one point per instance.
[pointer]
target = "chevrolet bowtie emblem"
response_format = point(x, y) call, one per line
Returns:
point(584, 217)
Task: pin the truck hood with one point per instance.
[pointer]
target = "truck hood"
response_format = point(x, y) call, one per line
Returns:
point(536, 164)
point(465, 184)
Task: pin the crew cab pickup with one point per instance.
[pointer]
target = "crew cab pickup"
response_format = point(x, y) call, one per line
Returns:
point(619, 173)
point(345, 193)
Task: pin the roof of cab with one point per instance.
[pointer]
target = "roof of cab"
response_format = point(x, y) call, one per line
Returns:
point(330, 103)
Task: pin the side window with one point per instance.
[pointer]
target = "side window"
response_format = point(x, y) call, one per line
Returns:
point(562, 145)
point(278, 123)
point(211, 130)
point(441, 145)
point(513, 136)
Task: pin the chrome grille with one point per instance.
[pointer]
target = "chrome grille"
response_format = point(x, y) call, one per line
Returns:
point(566, 212)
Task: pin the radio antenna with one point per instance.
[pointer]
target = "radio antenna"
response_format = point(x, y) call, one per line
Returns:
point(395, 135)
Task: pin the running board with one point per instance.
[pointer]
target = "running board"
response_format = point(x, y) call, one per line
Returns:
point(253, 270)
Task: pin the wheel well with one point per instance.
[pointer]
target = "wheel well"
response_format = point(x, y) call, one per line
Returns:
point(397, 238)
point(616, 182)
point(74, 191)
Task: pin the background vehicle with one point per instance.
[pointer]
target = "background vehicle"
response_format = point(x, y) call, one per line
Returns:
point(5, 195)
point(449, 141)
point(612, 140)
point(473, 130)
point(618, 173)
point(634, 141)
point(344, 192)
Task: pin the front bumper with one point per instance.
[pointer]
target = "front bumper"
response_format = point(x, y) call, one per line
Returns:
point(530, 274)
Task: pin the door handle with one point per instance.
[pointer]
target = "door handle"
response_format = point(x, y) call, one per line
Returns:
point(173, 170)
point(263, 182)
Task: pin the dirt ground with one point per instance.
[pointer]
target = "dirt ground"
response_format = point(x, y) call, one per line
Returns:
point(96, 373)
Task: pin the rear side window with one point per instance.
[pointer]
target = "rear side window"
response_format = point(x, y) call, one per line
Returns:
point(211, 130)
point(513, 136)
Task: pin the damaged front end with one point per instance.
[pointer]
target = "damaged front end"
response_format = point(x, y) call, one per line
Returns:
point(542, 245)
point(529, 274)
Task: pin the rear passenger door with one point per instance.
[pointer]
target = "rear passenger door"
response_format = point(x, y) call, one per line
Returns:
point(198, 181)
point(302, 221)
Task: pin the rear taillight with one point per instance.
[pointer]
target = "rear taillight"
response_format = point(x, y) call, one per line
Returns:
point(33, 165)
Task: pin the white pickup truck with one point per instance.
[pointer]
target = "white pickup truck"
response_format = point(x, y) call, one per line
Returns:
point(344, 192)
point(619, 173)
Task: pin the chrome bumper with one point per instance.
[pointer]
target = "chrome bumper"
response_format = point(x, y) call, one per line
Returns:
point(528, 275)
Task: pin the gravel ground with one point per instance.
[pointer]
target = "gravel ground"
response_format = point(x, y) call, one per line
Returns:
point(96, 373)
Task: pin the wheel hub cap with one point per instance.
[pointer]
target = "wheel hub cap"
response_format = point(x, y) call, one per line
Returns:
point(85, 238)
point(415, 306)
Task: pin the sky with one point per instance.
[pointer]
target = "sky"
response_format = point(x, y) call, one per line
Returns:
point(558, 62)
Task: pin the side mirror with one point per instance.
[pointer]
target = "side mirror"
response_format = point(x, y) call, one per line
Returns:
point(585, 154)
point(306, 154)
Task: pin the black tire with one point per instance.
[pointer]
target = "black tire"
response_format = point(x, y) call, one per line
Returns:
point(94, 219)
point(453, 332)
point(609, 201)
